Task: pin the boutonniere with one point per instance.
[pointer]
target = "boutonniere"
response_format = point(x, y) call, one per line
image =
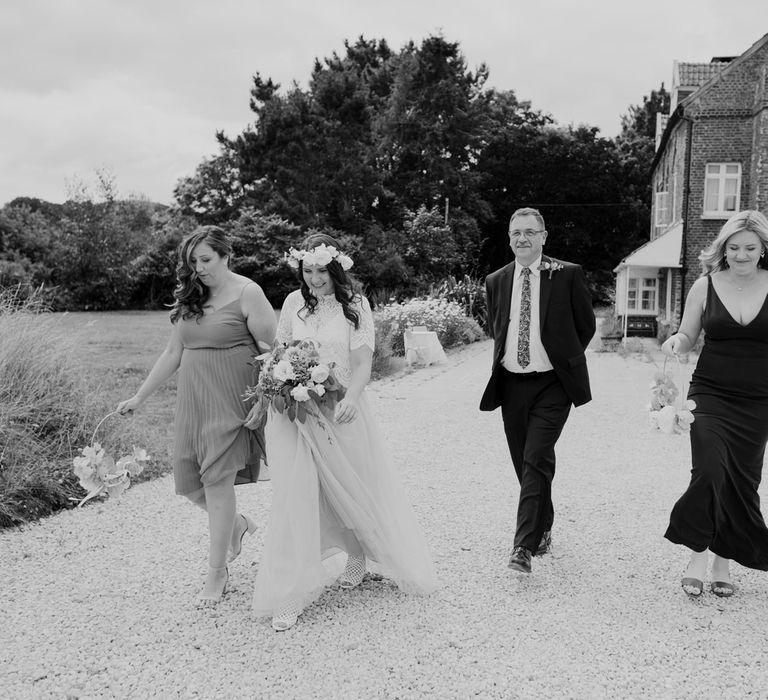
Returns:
point(551, 265)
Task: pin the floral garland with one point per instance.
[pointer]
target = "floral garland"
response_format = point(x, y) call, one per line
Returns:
point(319, 255)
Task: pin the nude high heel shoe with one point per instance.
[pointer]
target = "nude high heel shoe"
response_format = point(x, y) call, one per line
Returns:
point(248, 527)
point(211, 600)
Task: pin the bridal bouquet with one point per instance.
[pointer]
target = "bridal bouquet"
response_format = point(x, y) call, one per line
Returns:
point(292, 380)
point(99, 473)
point(667, 413)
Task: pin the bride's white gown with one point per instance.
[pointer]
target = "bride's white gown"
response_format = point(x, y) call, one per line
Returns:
point(334, 486)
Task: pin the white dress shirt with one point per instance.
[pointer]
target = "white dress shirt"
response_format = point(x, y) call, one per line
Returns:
point(539, 358)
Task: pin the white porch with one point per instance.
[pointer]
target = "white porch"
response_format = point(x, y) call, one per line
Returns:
point(645, 274)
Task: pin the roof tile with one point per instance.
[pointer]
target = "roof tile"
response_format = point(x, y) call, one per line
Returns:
point(696, 74)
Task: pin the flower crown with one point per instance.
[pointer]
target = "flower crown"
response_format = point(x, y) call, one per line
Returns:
point(319, 255)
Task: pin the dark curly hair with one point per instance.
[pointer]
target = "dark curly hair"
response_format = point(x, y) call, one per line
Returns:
point(345, 289)
point(190, 293)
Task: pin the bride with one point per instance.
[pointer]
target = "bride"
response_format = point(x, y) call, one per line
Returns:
point(334, 486)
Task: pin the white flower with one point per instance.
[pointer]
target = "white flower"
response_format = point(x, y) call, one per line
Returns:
point(320, 255)
point(293, 256)
point(99, 473)
point(300, 393)
point(283, 371)
point(667, 418)
point(684, 419)
point(345, 261)
point(319, 389)
point(320, 374)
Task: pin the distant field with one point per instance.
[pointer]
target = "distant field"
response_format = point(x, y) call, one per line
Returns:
point(119, 338)
point(118, 349)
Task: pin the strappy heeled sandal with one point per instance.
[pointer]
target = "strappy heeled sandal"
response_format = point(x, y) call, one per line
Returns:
point(693, 587)
point(722, 589)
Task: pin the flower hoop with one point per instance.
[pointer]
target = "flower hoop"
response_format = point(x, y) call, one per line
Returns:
point(670, 411)
point(99, 473)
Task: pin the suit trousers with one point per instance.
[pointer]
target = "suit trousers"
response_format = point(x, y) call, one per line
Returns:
point(534, 409)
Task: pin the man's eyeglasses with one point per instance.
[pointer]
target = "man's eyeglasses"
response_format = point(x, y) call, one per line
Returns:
point(528, 233)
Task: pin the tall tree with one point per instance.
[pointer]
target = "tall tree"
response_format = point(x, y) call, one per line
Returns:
point(432, 128)
point(309, 155)
point(636, 147)
point(574, 177)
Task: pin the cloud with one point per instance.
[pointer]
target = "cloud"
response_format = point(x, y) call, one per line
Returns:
point(143, 86)
point(147, 138)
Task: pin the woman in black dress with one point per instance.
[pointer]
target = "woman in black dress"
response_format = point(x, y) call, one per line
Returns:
point(720, 510)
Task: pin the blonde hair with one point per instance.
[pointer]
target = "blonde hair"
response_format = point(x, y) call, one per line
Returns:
point(712, 258)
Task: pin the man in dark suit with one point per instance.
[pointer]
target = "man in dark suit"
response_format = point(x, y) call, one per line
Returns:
point(540, 317)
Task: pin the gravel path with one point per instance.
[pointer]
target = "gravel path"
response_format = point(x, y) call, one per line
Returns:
point(96, 603)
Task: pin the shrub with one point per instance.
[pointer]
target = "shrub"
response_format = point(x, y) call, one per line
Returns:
point(469, 293)
point(46, 412)
point(663, 329)
point(430, 246)
point(446, 318)
point(382, 353)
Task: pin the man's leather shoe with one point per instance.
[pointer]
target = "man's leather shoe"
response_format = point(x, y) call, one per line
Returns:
point(520, 560)
point(545, 545)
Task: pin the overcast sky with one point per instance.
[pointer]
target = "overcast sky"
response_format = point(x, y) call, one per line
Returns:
point(140, 87)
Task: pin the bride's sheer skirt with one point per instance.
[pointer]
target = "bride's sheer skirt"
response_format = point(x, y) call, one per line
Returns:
point(335, 489)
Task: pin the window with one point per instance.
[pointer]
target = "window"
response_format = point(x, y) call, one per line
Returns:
point(662, 209)
point(641, 294)
point(648, 294)
point(722, 189)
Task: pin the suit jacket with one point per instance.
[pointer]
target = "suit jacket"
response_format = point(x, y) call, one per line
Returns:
point(567, 325)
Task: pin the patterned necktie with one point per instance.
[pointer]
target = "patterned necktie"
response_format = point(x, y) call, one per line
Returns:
point(524, 336)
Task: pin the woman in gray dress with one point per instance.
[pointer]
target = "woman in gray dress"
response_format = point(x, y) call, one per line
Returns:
point(218, 319)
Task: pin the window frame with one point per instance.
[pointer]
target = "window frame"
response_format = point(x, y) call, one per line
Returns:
point(722, 177)
point(659, 221)
point(636, 292)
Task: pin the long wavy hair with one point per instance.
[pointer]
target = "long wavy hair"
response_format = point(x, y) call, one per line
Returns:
point(713, 259)
point(345, 289)
point(191, 294)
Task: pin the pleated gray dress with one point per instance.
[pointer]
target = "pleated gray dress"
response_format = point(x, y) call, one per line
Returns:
point(210, 442)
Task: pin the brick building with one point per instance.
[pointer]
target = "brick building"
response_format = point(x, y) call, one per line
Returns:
point(711, 161)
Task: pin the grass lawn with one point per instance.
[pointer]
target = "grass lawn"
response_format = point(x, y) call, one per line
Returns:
point(118, 350)
point(114, 352)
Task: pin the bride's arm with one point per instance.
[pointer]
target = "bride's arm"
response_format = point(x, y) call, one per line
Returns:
point(362, 341)
point(360, 360)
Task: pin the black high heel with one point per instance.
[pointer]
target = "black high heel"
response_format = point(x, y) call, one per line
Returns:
point(722, 589)
point(692, 587)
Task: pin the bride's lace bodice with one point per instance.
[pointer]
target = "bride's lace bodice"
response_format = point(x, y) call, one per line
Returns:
point(336, 337)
